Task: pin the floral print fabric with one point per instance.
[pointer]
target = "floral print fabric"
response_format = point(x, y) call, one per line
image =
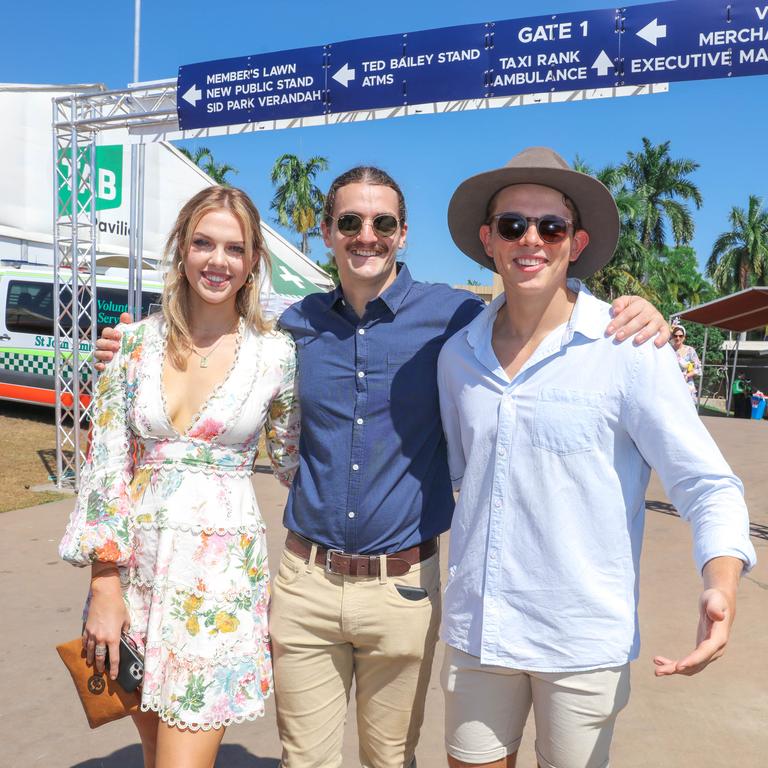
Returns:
point(177, 514)
point(689, 364)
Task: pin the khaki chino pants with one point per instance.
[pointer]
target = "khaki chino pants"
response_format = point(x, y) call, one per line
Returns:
point(328, 629)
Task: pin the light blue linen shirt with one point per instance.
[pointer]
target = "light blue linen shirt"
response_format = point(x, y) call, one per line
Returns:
point(543, 569)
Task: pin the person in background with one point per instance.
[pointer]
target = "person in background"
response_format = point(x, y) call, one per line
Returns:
point(687, 359)
point(741, 394)
point(166, 517)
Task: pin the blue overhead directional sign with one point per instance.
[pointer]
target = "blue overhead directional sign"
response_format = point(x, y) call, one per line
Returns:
point(436, 65)
point(270, 86)
point(566, 52)
point(415, 68)
point(693, 40)
point(638, 45)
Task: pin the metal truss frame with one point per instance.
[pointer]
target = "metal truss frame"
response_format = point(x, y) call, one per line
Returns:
point(149, 113)
point(77, 121)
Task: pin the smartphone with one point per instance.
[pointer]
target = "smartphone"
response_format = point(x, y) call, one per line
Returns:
point(411, 593)
point(130, 670)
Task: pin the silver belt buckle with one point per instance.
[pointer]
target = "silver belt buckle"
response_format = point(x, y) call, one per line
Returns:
point(328, 554)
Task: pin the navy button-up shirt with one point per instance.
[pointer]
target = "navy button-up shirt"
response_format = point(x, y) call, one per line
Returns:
point(373, 471)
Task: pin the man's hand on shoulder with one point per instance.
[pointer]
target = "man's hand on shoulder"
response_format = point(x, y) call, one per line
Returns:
point(109, 343)
point(633, 315)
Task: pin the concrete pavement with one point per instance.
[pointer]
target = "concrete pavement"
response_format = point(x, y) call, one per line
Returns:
point(719, 717)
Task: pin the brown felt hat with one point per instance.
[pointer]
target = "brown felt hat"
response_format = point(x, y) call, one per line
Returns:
point(598, 214)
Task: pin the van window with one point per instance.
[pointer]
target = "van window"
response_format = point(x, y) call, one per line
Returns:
point(29, 308)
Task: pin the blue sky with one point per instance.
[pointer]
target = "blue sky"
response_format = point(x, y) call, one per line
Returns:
point(719, 123)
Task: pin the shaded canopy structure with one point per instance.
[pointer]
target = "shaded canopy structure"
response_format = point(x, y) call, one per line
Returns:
point(739, 312)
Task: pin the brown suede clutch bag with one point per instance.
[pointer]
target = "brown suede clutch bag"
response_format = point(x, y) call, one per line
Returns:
point(103, 699)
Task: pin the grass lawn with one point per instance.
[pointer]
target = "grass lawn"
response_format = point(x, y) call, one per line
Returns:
point(28, 448)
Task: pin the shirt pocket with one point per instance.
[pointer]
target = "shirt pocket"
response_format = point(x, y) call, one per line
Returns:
point(412, 376)
point(566, 421)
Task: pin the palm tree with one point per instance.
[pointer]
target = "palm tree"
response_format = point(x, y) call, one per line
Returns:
point(740, 256)
point(202, 157)
point(628, 269)
point(298, 201)
point(662, 182)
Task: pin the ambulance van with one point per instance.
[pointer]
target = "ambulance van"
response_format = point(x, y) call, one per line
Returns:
point(27, 324)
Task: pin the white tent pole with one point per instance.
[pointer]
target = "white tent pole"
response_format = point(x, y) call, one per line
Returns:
point(703, 363)
point(733, 374)
point(136, 38)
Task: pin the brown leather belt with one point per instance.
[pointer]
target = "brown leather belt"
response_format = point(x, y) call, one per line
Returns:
point(336, 561)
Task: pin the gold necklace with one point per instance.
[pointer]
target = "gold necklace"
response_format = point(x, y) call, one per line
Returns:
point(204, 357)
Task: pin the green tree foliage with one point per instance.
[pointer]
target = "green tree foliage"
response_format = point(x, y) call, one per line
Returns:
point(203, 158)
point(739, 257)
point(298, 201)
point(663, 186)
point(628, 269)
point(676, 282)
point(329, 265)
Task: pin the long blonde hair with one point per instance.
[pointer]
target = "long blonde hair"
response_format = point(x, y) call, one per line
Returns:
point(176, 286)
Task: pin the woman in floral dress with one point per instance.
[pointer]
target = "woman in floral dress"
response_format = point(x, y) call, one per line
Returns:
point(689, 362)
point(166, 516)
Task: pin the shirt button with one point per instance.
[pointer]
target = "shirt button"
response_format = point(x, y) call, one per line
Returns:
point(355, 467)
point(360, 374)
point(361, 331)
point(492, 555)
point(359, 421)
point(497, 503)
point(502, 452)
point(350, 515)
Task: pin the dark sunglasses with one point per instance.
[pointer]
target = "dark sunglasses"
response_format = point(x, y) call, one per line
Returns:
point(678, 336)
point(513, 226)
point(351, 224)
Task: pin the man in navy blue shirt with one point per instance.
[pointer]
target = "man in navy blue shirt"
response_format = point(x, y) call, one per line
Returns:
point(357, 591)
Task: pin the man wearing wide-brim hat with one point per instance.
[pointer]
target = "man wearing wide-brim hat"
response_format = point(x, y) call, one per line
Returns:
point(551, 429)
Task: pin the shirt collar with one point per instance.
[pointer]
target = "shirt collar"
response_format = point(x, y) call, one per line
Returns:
point(587, 319)
point(588, 316)
point(393, 296)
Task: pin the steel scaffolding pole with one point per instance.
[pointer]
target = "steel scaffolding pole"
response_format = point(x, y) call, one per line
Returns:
point(74, 287)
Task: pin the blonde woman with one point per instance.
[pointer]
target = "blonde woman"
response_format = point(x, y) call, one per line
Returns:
point(166, 516)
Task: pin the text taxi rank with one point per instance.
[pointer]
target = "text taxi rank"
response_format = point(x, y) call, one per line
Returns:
point(569, 62)
point(267, 86)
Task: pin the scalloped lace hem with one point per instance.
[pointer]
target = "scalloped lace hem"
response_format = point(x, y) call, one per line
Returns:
point(255, 660)
point(209, 530)
point(183, 725)
point(199, 467)
point(259, 589)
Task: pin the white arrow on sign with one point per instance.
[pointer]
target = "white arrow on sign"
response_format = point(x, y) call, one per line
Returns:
point(603, 64)
point(290, 277)
point(653, 31)
point(193, 95)
point(344, 75)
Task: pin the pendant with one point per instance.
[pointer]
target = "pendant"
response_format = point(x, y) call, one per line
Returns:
point(203, 362)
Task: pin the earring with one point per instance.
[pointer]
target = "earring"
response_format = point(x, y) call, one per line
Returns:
point(180, 267)
point(250, 279)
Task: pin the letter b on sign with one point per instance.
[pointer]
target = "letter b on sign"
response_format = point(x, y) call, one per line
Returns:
point(107, 189)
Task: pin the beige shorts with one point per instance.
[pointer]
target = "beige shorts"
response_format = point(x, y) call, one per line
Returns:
point(486, 708)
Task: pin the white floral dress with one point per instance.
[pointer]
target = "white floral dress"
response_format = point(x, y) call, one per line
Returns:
point(178, 515)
